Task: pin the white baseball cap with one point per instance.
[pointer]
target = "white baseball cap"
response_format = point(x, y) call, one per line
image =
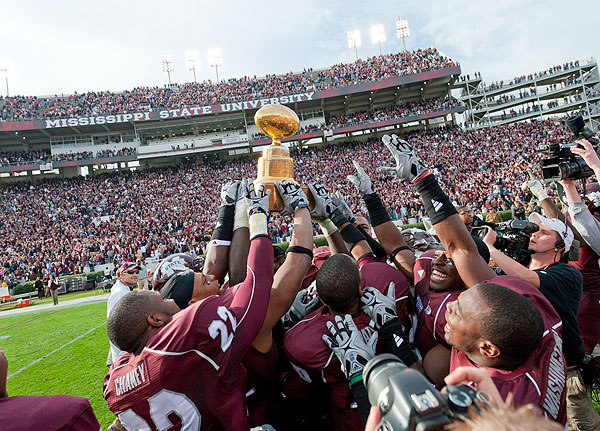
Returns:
point(556, 225)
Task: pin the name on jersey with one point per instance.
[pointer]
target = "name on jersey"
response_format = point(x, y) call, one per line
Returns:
point(556, 378)
point(131, 380)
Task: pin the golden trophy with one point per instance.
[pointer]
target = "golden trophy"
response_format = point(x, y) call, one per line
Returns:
point(275, 164)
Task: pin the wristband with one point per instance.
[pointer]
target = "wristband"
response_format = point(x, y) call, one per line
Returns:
point(377, 212)
point(214, 242)
point(398, 250)
point(240, 218)
point(327, 226)
point(338, 218)
point(224, 229)
point(356, 379)
point(258, 225)
point(351, 235)
point(420, 177)
point(300, 249)
point(436, 202)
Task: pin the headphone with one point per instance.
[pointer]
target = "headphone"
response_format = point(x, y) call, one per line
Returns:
point(560, 243)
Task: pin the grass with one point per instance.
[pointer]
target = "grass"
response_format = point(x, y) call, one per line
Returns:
point(77, 369)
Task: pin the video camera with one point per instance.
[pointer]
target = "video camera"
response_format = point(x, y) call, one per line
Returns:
point(559, 162)
point(513, 238)
point(407, 401)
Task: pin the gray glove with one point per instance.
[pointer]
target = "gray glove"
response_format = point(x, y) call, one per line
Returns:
point(229, 193)
point(305, 302)
point(379, 307)
point(350, 347)
point(293, 197)
point(536, 187)
point(257, 207)
point(408, 165)
point(323, 203)
point(338, 201)
point(324, 206)
point(361, 180)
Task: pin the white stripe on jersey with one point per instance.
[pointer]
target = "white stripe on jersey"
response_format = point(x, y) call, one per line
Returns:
point(251, 296)
point(198, 352)
point(537, 388)
point(438, 313)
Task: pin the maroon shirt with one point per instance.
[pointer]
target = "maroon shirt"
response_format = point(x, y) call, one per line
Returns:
point(540, 380)
point(588, 318)
point(307, 351)
point(48, 413)
point(431, 306)
point(190, 373)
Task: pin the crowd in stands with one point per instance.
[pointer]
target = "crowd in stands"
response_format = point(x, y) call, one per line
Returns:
point(144, 99)
point(162, 211)
point(388, 113)
point(91, 155)
point(530, 77)
point(11, 158)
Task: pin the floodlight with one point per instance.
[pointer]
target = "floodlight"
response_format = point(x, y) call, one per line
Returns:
point(377, 35)
point(215, 60)
point(166, 62)
point(193, 62)
point(354, 40)
point(6, 69)
point(402, 30)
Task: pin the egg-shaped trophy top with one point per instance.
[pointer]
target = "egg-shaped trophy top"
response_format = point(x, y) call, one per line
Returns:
point(277, 121)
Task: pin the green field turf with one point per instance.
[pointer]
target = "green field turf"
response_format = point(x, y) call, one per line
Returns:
point(77, 369)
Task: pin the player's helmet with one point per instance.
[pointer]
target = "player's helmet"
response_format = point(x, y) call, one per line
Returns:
point(173, 264)
point(418, 239)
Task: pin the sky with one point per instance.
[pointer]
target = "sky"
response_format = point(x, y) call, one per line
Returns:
point(67, 46)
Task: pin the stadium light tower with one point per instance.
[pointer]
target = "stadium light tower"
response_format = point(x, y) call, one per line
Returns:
point(5, 68)
point(215, 60)
point(402, 30)
point(167, 65)
point(193, 62)
point(354, 40)
point(377, 35)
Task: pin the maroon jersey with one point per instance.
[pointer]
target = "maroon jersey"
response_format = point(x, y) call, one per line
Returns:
point(261, 384)
point(540, 380)
point(48, 413)
point(431, 306)
point(189, 375)
point(309, 354)
point(588, 318)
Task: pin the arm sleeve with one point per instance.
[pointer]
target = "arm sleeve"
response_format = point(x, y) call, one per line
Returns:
point(249, 306)
point(586, 224)
point(362, 400)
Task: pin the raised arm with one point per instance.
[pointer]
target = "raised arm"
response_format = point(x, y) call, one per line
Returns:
point(240, 243)
point(216, 262)
point(388, 234)
point(450, 229)
point(249, 306)
point(324, 207)
point(288, 279)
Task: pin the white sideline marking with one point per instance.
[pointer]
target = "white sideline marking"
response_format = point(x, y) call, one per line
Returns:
point(54, 351)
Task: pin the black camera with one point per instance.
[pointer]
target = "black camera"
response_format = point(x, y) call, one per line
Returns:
point(407, 401)
point(558, 162)
point(513, 238)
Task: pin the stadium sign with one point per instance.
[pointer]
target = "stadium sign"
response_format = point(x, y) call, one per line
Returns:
point(167, 114)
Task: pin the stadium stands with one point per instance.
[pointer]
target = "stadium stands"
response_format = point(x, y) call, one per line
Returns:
point(144, 99)
point(66, 224)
